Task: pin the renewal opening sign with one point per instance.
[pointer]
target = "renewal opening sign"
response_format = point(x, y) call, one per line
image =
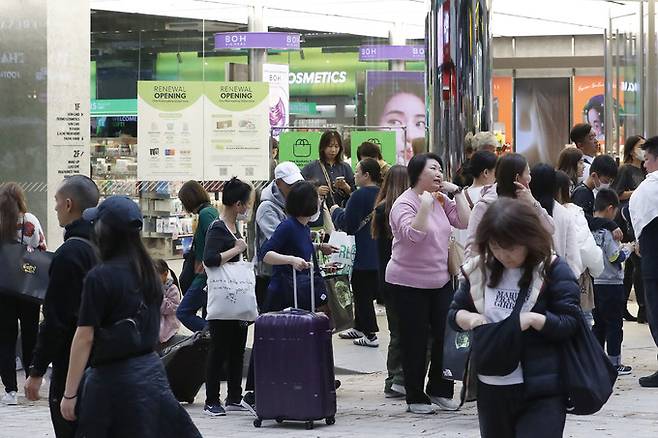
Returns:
point(237, 129)
point(170, 130)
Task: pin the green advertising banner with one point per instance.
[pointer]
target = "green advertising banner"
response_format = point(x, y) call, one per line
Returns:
point(384, 139)
point(300, 147)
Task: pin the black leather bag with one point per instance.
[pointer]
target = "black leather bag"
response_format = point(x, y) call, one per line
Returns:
point(126, 338)
point(24, 274)
point(188, 272)
point(497, 347)
point(587, 373)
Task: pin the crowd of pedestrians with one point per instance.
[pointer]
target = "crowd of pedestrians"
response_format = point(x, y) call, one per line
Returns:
point(543, 248)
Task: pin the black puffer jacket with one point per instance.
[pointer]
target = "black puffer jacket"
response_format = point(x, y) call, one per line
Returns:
point(558, 299)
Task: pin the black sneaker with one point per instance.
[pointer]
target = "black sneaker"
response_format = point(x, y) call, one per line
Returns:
point(623, 370)
point(649, 381)
point(214, 410)
point(249, 402)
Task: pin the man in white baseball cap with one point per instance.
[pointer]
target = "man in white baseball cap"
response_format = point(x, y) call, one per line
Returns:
point(288, 173)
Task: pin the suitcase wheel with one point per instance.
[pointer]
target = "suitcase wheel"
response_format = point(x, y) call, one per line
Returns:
point(330, 421)
point(258, 422)
point(309, 425)
point(279, 420)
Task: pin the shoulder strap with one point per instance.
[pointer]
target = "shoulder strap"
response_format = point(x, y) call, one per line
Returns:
point(231, 232)
point(468, 197)
point(326, 177)
point(365, 221)
point(520, 300)
point(88, 242)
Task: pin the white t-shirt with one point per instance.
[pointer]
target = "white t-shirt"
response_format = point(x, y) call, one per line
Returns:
point(498, 305)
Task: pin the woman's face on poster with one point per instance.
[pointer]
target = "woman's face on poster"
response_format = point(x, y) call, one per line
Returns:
point(405, 109)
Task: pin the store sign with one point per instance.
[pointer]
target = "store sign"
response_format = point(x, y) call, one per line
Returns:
point(236, 131)
point(392, 53)
point(257, 40)
point(277, 76)
point(386, 140)
point(300, 147)
point(170, 130)
point(113, 107)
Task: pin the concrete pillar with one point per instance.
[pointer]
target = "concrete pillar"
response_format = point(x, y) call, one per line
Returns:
point(396, 38)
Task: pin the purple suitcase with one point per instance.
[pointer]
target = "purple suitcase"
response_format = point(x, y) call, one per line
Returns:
point(294, 366)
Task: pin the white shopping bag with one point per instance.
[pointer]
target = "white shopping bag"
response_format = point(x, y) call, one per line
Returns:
point(346, 251)
point(232, 292)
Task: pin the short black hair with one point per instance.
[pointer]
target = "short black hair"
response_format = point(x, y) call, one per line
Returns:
point(302, 200)
point(235, 191)
point(417, 165)
point(604, 165)
point(509, 167)
point(580, 132)
point(481, 161)
point(368, 149)
point(606, 198)
point(651, 146)
point(82, 190)
point(371, 167)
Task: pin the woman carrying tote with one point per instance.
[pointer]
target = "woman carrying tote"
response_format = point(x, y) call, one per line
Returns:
point(224, 244)
point(529, 401)
point(418, 277)
point(333, 175)
point(125, 391)
point(17, 226)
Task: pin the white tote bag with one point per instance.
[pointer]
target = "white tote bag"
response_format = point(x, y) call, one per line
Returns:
point(232, 291)
point(346, 251)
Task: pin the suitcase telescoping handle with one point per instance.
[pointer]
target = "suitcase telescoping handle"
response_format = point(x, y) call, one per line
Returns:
point(294, 286)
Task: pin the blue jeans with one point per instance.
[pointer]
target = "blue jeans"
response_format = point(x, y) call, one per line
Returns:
point(195, 298)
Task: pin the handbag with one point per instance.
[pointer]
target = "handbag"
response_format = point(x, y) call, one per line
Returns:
point(346, 245)
point(497, 347)
point(232, 291)
point(456, 353)
point(586, 291)
point(340, 301)
point(125, 338)
point(587, 373)
point(455, 256)
point(24, 273)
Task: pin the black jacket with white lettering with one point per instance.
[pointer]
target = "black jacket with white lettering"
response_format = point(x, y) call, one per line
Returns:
point(557, 297)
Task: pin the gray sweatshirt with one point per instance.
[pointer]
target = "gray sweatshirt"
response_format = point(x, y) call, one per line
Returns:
point(613, 256)
point(270, 213)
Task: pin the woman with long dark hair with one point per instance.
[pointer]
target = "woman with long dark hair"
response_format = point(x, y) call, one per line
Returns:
point(630, 176)
point(355, 219)
point(512, 181)
point(125, 392)
point(529, 401)
point(395, 183)
point(333, 176)
point(17, 226)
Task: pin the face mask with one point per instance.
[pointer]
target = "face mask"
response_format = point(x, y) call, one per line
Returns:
point(603, 186)
point(243, 217)
point(639, 154)
point(316, 216)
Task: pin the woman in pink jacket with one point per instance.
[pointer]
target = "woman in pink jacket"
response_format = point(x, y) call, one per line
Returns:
point(169, 324)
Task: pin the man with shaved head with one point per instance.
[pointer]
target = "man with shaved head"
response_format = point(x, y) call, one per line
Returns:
point(68, 269)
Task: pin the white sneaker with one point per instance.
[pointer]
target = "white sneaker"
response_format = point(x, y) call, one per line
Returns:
point(399, 388)
point(447, 404)
point(10, 398)
point(366, 342)
point(420, 408)
point(350, 334)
